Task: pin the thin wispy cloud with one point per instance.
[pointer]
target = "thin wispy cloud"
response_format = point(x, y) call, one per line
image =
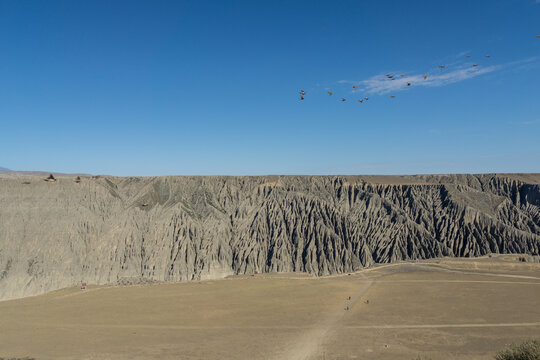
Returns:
point(525, 64)
point(381, 84)
point(462, 54)
point(530, 122)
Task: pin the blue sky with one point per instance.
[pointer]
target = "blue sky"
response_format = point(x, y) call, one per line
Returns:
point(212, 87)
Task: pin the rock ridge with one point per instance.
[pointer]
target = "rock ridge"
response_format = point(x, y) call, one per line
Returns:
point(106, 229)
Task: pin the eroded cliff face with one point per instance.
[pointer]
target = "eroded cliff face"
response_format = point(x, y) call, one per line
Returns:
point(105, 230)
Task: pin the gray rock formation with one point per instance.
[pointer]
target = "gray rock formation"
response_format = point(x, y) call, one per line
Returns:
point(106, 229)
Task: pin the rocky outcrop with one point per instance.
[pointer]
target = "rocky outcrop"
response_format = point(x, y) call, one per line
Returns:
point(105, 229)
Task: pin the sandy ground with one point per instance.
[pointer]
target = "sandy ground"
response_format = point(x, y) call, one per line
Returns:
point(440, 309)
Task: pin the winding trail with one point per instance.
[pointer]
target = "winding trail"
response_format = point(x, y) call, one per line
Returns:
point(443, 326)
point(278, 327)
point(308, 344)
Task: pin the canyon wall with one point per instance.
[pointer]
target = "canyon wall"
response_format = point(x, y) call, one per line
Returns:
point(108, 229)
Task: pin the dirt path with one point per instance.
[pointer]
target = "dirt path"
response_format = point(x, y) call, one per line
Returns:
point(461, 281)
point(281, 327)
point(309, 342)
point(479, 272)
point(442, 326)
point(80, 292)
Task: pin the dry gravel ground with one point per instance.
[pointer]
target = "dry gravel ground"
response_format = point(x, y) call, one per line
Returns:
point(441, 309)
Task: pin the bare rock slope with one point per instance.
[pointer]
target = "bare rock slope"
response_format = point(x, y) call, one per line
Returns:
point(128, 230)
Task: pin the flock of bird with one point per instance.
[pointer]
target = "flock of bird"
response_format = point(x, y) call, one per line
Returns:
point(390, 77)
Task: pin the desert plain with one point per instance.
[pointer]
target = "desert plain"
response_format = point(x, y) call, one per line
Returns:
point(445, 308)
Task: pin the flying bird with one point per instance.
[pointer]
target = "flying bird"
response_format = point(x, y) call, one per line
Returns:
point(425, 76)
point(360, 100)
point(468, 56)
point(330, 93)
point(408, 84)
point(342, 99)
point(441, 66)
point(366, 99)
point(402, 75)
point(392, 96)
point(488, 56)
point(302, 92)
point(301, 97)
point(355, 86)
point(474, 64)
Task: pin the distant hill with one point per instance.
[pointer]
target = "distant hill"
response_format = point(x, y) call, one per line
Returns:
point(104, 230)
point(5, 171)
